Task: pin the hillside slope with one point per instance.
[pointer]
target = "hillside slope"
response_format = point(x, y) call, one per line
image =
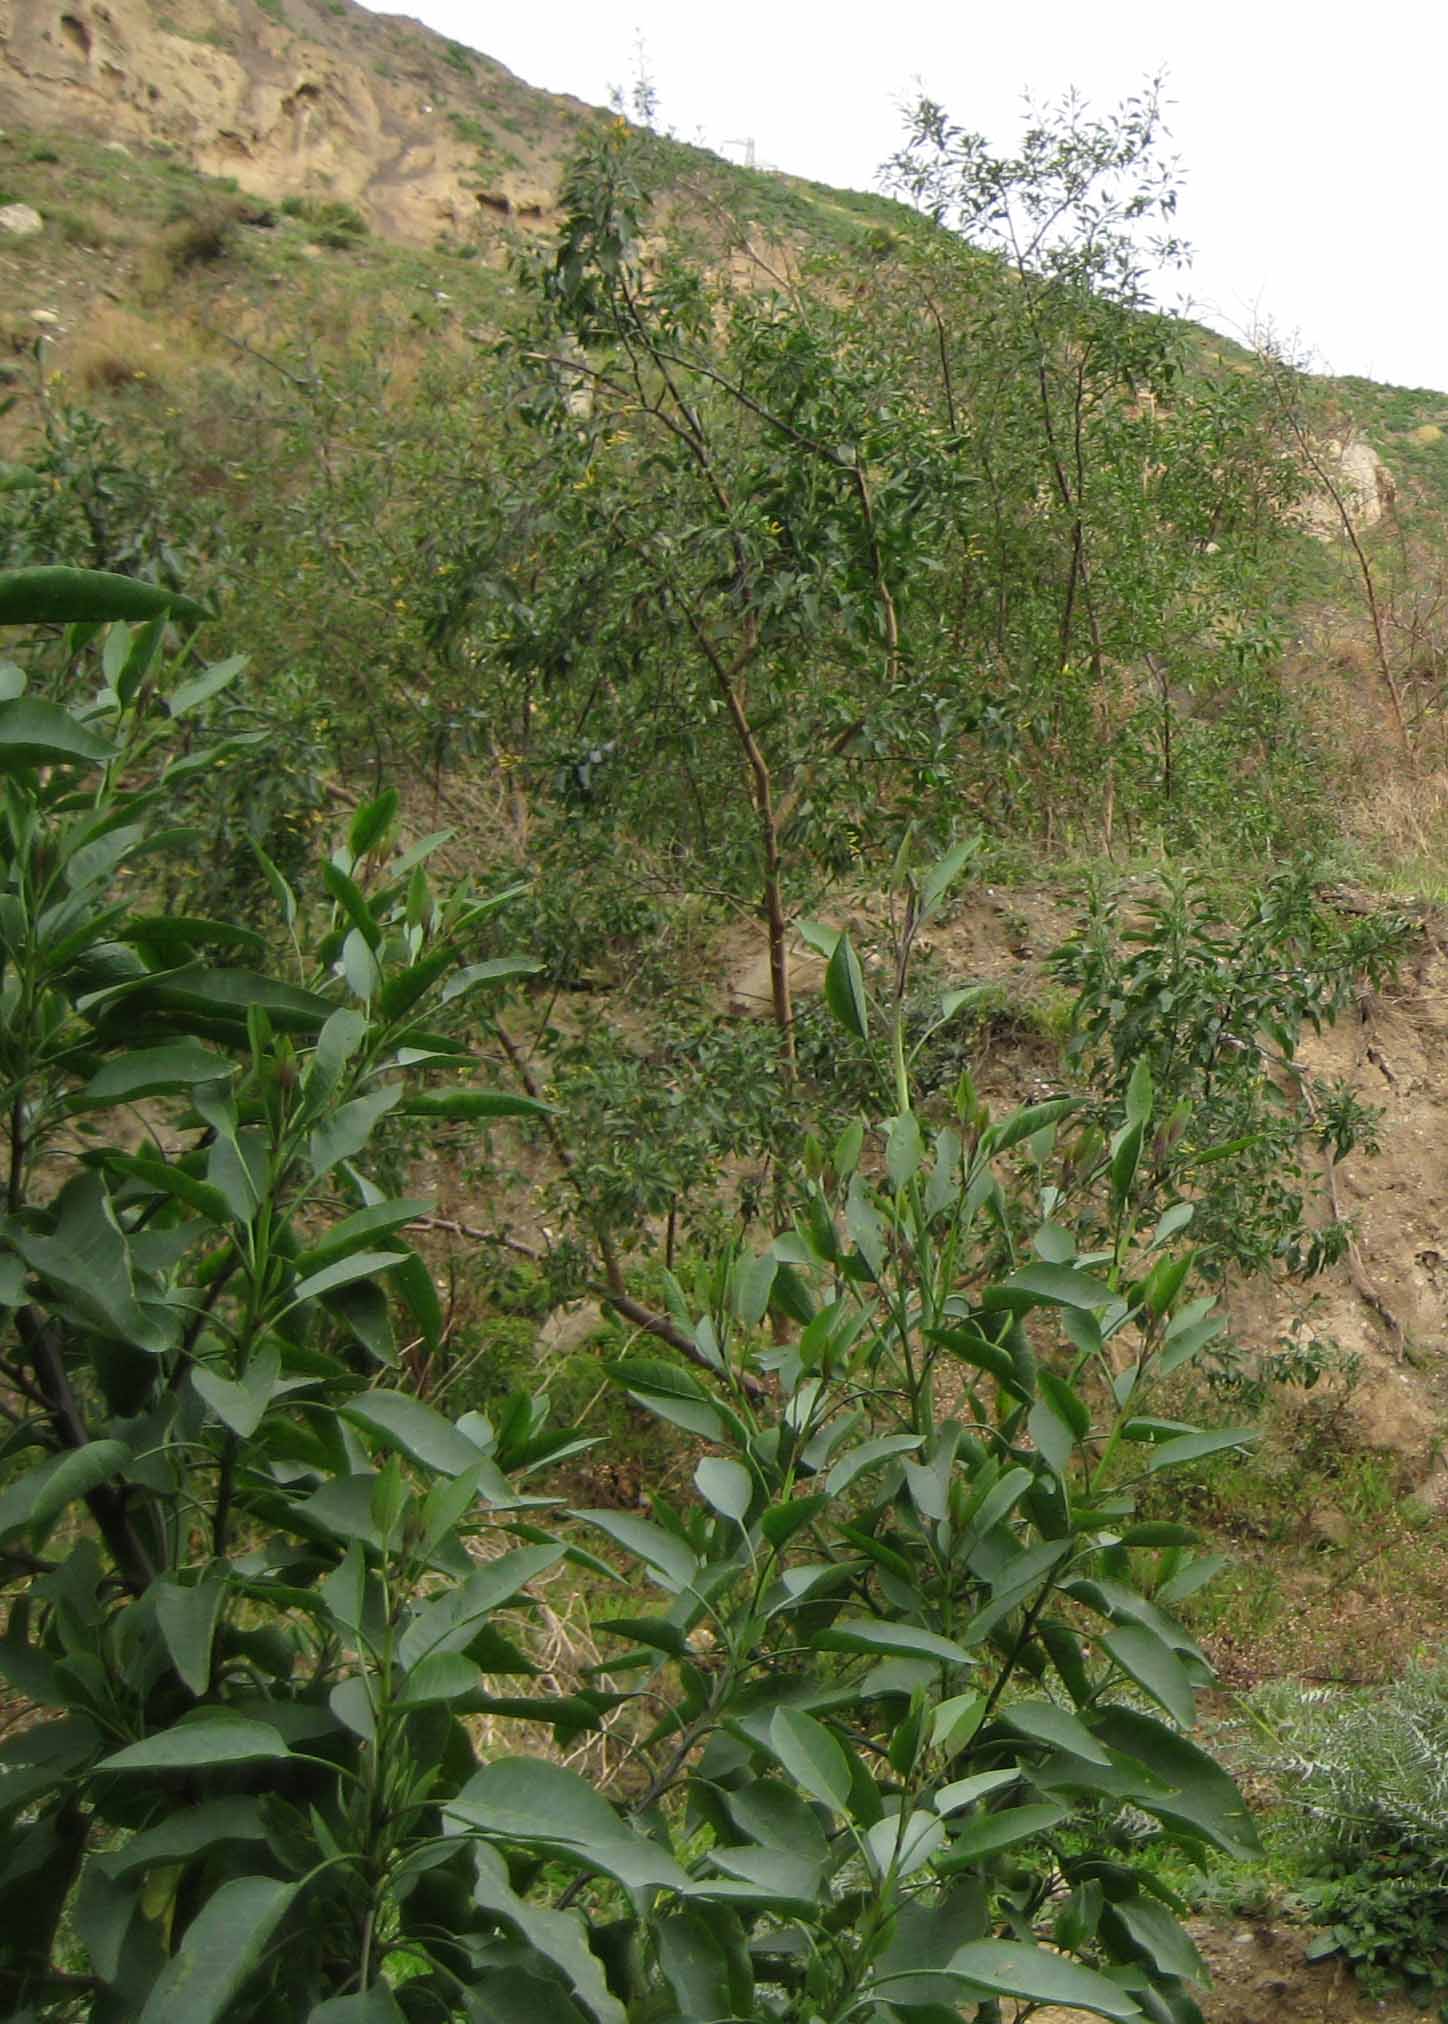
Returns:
point(321, 98)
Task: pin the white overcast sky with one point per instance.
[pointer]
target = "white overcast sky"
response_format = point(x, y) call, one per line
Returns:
point(1314, 138)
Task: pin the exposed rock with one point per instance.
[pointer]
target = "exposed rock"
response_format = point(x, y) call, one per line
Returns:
point(568, 1329)
point(20, 220)
point(326, 100)
point(1330, 1527)
point(1361, 480)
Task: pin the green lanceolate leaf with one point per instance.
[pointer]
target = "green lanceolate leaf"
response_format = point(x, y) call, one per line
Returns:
point(342, 1134)
point(376, 2005)
point(357, 1232)
point(445, 1676)
point(904, 1845)
point(1050, 1286)
point(988, 1833)
point(904, 1150)
point(75, 1475)
point(698, 1964)
point(561, 1937)
point(371, 823)
point(1125, 1159)
point(53, 596)
point(452, 1620)
point(1024, 1124)
point(1009, 1968)
point(353, 904)
point(869, 1455)
point(902, 1640)
point(188, 1615)
point(496, 970)
point(865, 1226)
point(224, 997)
point(33, 733)
point(669, 1556)
point(87, 1262)
point(1066, 1403)
point(210, 1737)
point(152, 1071)
point(1044, 1722)
point(1203, 1803)
point(1151, 1927)
point(1140, 1095)
point(169, 938)
point(811, 1756)
point(345, 1271)
point(1155, 1668)
point(727, 1485)
point(189, 696)
point(528, 1800)
point(187, 1833)
point(1052, 1437)
point(966, 1791)
point(845, 989)
point(1192, 1447)
point(412, 1282)
point(752, 1282)
point(240, 1404)
point(418, 1429)
point(513, 1996)
point(942, 875)
point(223, 1944)
point(673, 1393)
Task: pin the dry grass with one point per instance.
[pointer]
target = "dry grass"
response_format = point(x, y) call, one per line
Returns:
point(1409, 814)
point(118, 349)
point(86, 227)
point(559, 1638)
point(1392, 804)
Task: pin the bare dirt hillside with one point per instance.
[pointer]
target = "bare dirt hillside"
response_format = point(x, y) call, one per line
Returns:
point(305, 97)
point(1260, 1975)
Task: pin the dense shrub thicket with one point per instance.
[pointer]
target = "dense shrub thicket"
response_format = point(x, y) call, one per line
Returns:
point(745, 578)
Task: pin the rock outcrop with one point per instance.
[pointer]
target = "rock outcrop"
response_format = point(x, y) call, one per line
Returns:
point(1361, 480)
point(298, 97)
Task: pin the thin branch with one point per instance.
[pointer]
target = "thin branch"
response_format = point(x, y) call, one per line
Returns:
point(1275, 371)
point(613, 1291)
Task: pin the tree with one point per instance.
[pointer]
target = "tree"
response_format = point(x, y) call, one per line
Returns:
point(1131, 495)
point(750, 487)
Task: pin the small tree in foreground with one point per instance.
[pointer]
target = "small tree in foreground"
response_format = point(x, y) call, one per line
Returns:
point(909, 1664)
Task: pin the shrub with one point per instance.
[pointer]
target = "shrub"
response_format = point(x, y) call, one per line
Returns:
point(333, 223)
point(201, 232)
point(1217, 1008)
point(1366, 1775)
point(905, 1631)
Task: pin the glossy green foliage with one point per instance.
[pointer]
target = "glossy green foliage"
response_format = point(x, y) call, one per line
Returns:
point(225, 1513)
point(889, 1673)
point(1216, 1007)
